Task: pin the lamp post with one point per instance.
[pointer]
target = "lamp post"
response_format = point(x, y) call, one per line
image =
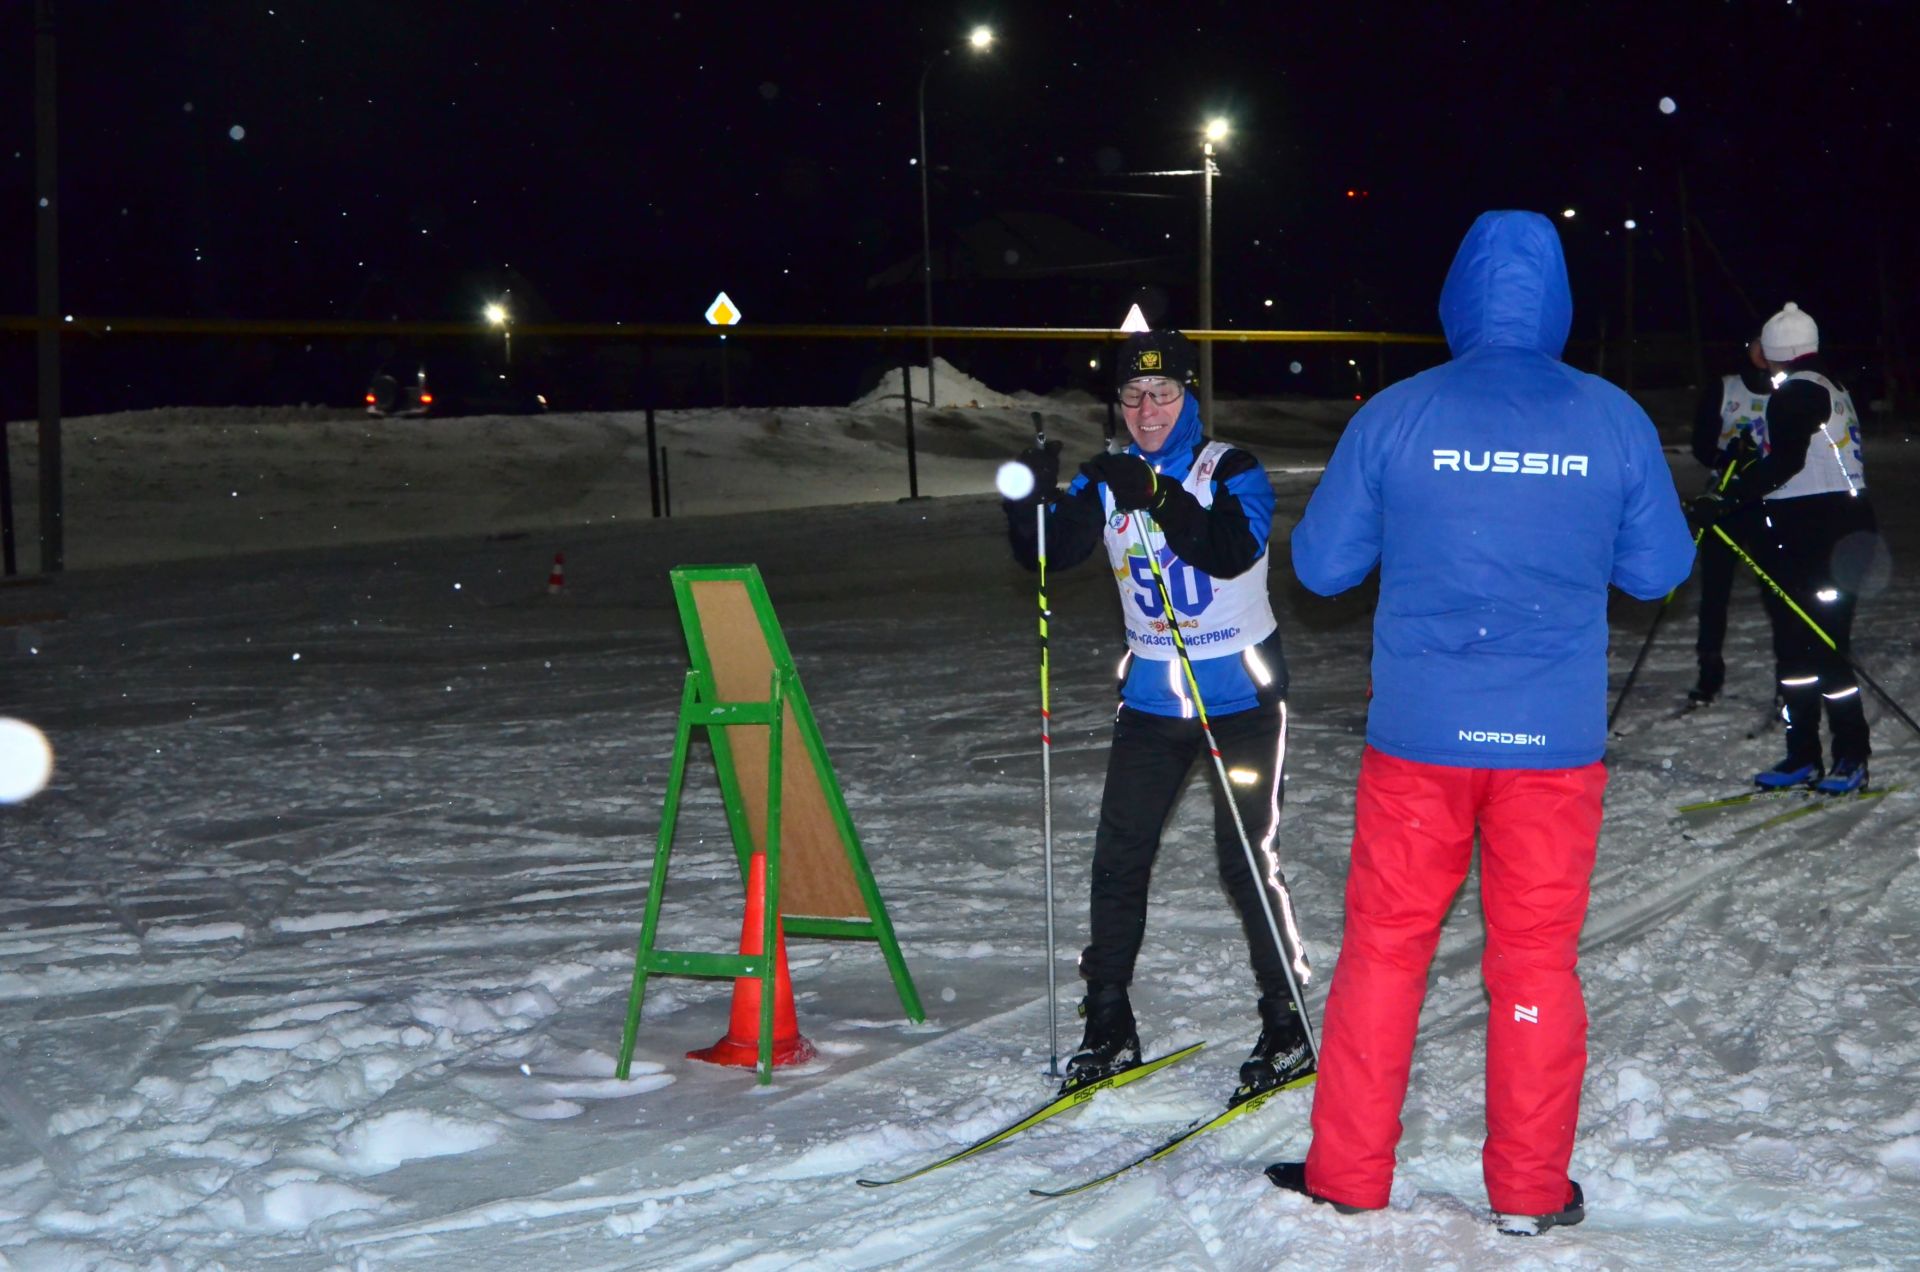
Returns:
point(979, 39)
point(1629, 225)
point(497, 315)
point(1216, 130)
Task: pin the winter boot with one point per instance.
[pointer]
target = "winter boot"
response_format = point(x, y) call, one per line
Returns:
point(1281, 1056)
point(1292, 1176)
point(1111, 1044)
point(1713, 674)
point(1846, 777)
point(1788, 772)
point(1533, 1225)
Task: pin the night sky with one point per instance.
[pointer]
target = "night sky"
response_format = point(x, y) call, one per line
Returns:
point(363, 159)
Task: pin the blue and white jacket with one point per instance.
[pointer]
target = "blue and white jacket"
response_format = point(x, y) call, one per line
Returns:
point(1500, 494)
point(1223, 541)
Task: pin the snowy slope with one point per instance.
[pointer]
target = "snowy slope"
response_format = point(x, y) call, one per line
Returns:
point(315, 953)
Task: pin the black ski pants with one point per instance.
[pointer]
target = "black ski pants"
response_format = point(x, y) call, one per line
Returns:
point(1150, 761)
point(1799, 544)
point(1717, 564)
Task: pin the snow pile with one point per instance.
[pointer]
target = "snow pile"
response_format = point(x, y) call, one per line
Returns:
point(952, 388)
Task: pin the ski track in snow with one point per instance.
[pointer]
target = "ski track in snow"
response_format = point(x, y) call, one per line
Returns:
point(321, 962)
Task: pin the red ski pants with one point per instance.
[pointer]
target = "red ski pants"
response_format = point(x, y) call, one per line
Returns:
point(1412, 845)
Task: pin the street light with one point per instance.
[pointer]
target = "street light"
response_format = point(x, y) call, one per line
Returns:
point(1216, 130)
point(497, 315)
point(979, 40)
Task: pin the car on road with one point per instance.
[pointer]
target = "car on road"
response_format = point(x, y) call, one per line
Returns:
point(401, 386)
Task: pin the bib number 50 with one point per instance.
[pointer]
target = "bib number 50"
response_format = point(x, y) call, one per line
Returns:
point(1192, 590)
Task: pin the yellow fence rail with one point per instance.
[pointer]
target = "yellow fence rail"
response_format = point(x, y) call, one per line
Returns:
point(641, 330)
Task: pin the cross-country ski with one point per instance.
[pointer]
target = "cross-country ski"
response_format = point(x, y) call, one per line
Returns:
point(1233, 1112)
point(1065, 1102)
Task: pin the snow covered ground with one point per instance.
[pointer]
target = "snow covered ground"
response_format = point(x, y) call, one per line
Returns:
point(315, 953)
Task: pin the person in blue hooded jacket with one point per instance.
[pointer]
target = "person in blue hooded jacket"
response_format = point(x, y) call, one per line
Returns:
point(1499, 495)
point(1205, 510)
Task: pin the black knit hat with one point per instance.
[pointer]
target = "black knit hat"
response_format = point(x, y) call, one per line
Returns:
point(1165, 353)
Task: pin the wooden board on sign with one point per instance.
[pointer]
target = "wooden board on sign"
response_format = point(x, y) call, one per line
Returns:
point(815, 877)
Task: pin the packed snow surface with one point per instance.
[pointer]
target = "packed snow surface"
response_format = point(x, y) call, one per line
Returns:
point(315, 952)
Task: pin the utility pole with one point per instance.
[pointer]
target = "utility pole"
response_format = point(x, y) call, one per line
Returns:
point(1693, 291)
point(1216, 130)
point(1627, 321)
point(1206, 282)
point(47, 260)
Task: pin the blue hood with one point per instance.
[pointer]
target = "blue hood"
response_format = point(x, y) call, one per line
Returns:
point(1176, 453)
point(1508, 287)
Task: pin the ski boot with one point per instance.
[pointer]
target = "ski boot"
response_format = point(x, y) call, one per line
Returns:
point(1533, 1225)
point(1111, 1043)
point(1292, 1176)
point(1281, 1055)
point(1846, 777)
point(1789, 772)
point(1713, 675)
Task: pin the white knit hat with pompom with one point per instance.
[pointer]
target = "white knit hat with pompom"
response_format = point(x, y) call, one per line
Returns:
point(1789, 334)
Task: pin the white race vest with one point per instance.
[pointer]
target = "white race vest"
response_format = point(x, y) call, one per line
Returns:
point(1216, 616)
point(1742, 411)
point(1834, 463)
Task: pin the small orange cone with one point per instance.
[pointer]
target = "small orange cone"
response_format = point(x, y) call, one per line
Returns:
point(741, 1046)
point(557, 577)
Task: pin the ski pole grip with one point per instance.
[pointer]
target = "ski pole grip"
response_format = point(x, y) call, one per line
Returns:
point(1039, 429)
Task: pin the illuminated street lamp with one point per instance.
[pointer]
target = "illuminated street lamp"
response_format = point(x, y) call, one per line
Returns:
point(1216, 130)
point(979, 40)
point(497, 316)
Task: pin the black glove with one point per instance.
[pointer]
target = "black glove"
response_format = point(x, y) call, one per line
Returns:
point(1044, 461)
point(1703, 510)
point(1133, 482)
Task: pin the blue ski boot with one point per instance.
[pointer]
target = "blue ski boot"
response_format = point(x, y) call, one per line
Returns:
point(1847, 777)
point(1788, 772)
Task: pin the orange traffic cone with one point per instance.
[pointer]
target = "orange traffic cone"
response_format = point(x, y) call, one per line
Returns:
point(741, 1046)
point(557, 577)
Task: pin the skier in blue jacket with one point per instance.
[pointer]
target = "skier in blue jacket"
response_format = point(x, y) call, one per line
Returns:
point(1206, 509)
point(1499, 495)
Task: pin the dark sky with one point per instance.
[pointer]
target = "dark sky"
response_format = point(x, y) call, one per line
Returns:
point(627, 160)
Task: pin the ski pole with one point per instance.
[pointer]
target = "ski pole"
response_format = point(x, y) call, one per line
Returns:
point(1726, 475)
point(1634, 671)
point(1289, 951)
point(1046, 764)
point(1767, 581)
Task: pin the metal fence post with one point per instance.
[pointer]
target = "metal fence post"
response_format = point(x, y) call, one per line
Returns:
point(653, 444)
point(913, 463)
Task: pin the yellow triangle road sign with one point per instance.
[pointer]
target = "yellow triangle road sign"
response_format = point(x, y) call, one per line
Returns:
point(722, 313)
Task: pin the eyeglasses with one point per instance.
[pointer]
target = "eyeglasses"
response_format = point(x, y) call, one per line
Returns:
point(1163, 392)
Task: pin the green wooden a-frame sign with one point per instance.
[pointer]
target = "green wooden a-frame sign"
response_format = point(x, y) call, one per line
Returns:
point(743, 690)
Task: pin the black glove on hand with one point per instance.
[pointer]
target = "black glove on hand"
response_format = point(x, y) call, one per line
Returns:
point(1703, 510)
point(1045, 463)
point(1132, 481)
